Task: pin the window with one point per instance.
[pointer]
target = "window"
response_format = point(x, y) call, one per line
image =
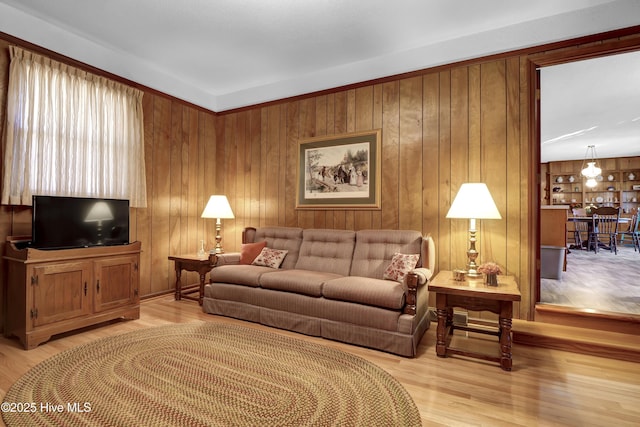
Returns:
point(71, 133)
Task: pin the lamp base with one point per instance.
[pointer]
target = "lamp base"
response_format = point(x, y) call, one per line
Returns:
point(218, 248)
point(472, 255)
point(472, 273)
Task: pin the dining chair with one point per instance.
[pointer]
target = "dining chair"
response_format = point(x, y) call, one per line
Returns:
point(604, 225)
point(581, 234)
point(633, 232)
point(580, 229)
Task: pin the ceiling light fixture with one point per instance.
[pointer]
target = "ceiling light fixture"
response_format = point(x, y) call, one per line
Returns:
point(591, 171)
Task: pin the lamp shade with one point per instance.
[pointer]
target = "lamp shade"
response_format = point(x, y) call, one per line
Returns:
point(474, 201)
point(217, 207)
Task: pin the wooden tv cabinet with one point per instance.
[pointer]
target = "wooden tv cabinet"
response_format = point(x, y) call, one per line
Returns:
point(54, 291)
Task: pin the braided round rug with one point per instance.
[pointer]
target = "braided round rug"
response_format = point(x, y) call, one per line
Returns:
point(207, 374)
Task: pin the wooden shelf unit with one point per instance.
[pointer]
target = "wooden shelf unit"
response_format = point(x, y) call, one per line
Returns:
point(56, 291)
point(618, 185)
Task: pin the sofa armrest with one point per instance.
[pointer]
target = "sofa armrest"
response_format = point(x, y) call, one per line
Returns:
point(412, 294)
point(230, 258)
point(414, 279)
point(424, 274)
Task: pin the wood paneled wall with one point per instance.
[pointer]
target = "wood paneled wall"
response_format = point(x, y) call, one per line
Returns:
point(440, 128)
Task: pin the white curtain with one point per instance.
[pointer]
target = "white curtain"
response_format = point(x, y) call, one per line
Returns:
point(71, 133)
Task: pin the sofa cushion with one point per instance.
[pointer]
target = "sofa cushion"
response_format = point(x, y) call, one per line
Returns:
point(305, 282)
point(365, 290)
point(400, 265)
point(287, 238)
point(374, 250)
point(250, 251)
point(326, 250)
point(270, 257)
point(248, 275)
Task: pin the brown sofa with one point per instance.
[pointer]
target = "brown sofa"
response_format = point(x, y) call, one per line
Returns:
point(330, 284)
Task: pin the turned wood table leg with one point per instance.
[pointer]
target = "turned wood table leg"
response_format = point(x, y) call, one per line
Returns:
point(178, 295)
point(443, 314)
point(505, 335)
point(201, 291)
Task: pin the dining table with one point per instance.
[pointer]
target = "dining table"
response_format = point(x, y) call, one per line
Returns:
point(588, 220)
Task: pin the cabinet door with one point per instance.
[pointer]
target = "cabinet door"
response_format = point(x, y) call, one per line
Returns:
point(60, 292)
point(116, 282)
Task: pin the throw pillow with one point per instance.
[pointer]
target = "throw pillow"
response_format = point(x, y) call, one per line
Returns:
point(270, 257)
point(401, 264)
point(249, 251)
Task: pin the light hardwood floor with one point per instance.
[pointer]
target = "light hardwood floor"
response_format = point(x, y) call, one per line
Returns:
point(545, 388)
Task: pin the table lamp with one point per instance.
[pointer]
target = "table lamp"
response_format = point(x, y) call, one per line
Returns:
point(472, 202)
point(218, 207)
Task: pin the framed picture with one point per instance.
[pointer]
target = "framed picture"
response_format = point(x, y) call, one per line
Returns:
point(339, 172)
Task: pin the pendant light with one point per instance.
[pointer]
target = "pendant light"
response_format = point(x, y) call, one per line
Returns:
point(591, 171)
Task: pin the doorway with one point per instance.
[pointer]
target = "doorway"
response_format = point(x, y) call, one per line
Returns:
point(583, 101)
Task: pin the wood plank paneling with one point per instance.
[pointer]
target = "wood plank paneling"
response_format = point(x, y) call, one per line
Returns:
point(459, 86)
point(453, 244)
point(161, 207)
point(143, 230)
point(410, 167)
point(390, 155)
point(430, 158)
point(513, 182)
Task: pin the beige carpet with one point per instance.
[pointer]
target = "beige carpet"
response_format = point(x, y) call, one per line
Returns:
point(207, 374)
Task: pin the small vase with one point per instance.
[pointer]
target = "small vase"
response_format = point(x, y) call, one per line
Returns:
point(491, 279)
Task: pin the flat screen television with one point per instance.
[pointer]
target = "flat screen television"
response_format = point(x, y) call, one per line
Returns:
point(77, 222)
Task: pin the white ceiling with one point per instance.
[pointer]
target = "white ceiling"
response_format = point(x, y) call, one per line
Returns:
point(226, 54)
point(592, 102)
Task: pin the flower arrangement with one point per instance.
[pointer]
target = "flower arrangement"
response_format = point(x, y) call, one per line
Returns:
point(489, 268)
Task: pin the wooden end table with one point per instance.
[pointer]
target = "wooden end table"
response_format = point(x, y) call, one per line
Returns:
point(202, 264)
point(473, 294)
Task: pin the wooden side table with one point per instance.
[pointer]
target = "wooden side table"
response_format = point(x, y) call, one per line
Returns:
point(473, 294)
point(202, 264)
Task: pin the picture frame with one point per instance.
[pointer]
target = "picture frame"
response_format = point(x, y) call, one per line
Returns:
point(339, 171)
